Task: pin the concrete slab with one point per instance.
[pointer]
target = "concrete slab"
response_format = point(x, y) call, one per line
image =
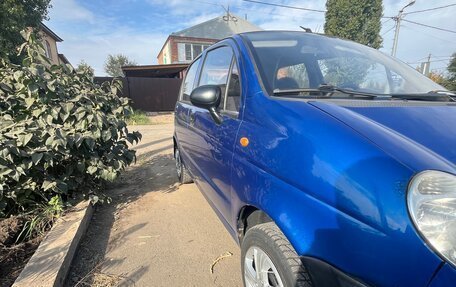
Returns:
point(50, 263)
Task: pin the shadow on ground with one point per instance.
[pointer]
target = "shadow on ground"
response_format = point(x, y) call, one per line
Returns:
point(153, 172)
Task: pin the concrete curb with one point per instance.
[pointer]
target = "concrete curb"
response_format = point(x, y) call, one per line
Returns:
point(50, 263)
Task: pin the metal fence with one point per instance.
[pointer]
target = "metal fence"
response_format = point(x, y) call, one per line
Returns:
point(149, 94)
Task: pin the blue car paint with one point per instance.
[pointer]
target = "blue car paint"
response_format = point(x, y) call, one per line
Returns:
point(333, 178)
point(445, 277)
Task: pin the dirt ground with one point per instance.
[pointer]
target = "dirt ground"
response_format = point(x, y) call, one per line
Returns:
point(13, 257)
point(155, 232)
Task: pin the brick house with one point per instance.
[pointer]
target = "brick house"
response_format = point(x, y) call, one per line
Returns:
point(186, 45)
point(49, 40)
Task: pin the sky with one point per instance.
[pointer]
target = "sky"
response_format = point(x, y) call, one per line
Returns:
point(92, 29)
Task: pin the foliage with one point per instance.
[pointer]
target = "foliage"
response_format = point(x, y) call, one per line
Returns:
point(357, 20)
point(437, 77)
point(138, 118)
point(16, 15)
point(345, 72)
point(450, 82)
point(60, 134)
point(84, 68)
point(114, 63)
point(41, 219)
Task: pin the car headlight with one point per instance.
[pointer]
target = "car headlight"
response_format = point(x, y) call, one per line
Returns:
point(432, 205)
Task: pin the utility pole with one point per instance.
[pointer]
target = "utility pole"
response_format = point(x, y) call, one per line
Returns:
point(398, 19)
point(426, 66)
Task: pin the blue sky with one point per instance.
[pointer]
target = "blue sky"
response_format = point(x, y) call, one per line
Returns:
point(92, 29)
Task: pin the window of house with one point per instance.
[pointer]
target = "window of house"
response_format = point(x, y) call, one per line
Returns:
point(189, 51)
point(216, 69)
point(189, 81)
point(48, 50)
point(197, 49)
point(233, 95)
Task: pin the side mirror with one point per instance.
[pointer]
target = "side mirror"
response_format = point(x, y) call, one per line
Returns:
point(208, 97)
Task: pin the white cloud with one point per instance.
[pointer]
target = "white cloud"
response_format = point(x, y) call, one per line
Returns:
point(69, 10)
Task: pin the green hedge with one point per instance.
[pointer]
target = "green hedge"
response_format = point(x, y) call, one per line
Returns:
point(60, 134)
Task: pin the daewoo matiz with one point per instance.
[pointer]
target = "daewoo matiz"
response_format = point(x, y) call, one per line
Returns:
point(330, 163)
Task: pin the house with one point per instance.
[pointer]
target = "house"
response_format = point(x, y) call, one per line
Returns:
point(49, 40)
point(155, 88)
point(186, 45)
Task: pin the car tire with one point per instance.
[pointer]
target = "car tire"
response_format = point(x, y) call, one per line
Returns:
point(287, 269)
point(182, 171)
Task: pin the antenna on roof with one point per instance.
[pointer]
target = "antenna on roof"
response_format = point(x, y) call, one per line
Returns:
point(308, 30)
point(228, 16)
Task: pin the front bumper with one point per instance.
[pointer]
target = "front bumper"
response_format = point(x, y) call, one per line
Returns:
point(445, 277)
point(323, 274)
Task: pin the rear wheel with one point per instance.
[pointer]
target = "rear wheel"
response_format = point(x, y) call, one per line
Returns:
point(182, 172)
point(268, 259)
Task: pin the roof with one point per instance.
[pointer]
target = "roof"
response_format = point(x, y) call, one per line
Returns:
point(64, 59)
point(219, 28)
point(154, 71)
point(50, 33)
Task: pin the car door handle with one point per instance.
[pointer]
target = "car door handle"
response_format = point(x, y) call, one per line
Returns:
point(192, 119)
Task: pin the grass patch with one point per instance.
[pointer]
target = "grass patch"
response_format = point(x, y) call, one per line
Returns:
point(138, 118)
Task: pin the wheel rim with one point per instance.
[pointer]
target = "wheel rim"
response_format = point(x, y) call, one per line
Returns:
point(259, 270)
point(178, 163)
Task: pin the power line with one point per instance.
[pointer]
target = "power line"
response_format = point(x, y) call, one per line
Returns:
point(430, 9)
point(429, 26)
point(387, 20)
point(429, 35)
point(285, 6)
point(394, 26)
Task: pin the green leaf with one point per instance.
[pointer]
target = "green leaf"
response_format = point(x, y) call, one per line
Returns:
point(92, 169)
point(29, 102)
point(24, 139)
point(36, 157)
point(47, 184)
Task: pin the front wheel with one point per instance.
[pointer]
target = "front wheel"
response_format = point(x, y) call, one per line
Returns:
point(182, 172)
point(268, 259)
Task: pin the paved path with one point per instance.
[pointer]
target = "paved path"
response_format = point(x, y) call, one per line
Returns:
point(155, 233)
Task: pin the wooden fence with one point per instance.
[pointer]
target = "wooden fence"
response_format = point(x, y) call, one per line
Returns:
point(149, 94)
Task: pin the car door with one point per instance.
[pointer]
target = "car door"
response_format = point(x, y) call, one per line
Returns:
point(183, 106)
point(212, 144)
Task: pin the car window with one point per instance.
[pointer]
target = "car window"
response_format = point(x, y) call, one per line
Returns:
point(355, 73)
point(291, 77)
point(189, 81)
point(233, 96)
point(216, 68)
point(342, 63)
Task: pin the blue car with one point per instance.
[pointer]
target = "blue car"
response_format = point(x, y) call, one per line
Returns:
point(330, 163)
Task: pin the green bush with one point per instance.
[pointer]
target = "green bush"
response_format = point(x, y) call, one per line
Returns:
point(60, 134)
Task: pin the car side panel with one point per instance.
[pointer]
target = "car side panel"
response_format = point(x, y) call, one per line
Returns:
point(211, 152)
point(334, 194)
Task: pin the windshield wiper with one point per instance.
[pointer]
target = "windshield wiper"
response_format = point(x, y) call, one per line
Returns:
point(325, 91)
point(431, 96)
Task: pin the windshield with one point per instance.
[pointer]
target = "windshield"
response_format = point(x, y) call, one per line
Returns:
point(298, 60)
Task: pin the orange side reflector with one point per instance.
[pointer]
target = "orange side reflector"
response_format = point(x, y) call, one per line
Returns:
point(244, 141)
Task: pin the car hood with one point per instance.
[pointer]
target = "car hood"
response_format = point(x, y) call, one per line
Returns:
point(421, 135)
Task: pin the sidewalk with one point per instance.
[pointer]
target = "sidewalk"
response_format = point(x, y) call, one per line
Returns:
point(155, 233)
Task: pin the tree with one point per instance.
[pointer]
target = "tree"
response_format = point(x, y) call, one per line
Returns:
point(83, 67)
point(438, 78)
point(450, 82)
point(114, 63)
point(357, 20)
point(17, 15)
